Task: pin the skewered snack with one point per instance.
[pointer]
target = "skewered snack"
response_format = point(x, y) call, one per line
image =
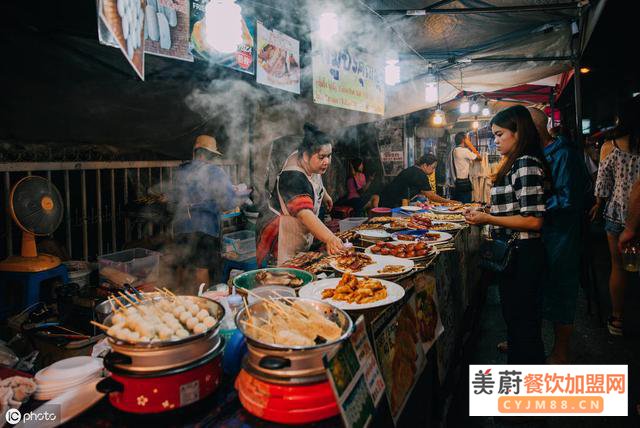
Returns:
point(427, 237)
point(404, 251)
point(166, 318)
point(353, 261)
point(291, 323)
point(392, 269)
point(443, 217)
point(444, 226)
point(398, 224)
point(350, 235)
point(382, 219)
point(321, 265)
point(303, 259)
point(352, 289)
point(278, 278)
point(419, 222)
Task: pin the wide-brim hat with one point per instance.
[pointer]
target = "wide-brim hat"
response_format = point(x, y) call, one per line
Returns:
point(208, 143)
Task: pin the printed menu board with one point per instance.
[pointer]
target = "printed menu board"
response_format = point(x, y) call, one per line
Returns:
point(355, 378)
point(126, 23)
point(167, 29)
point(278, 60)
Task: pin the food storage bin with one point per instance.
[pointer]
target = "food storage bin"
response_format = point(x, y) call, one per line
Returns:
point(242, 243)
point(351, 222)
point(137, 264)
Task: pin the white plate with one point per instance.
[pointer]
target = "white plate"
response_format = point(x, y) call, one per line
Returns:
point(457, 226)
point(410, 208)
point(313, 290)
point(69, 368)
point(373, 234)
point(379, 263)
point(72, 403)
point(444, 237)
point(433, 252)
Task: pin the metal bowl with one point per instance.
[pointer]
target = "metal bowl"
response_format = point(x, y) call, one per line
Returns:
point(248, 279)
point(215, 309)
point(330, 312)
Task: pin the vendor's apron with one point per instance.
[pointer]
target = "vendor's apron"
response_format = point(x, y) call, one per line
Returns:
point(293, 235)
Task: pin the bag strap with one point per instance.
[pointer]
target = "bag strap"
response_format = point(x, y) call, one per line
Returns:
point(453, 162)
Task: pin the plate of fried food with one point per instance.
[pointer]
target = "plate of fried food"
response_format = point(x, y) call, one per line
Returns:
point(444, 225)
point(403, 250)
point(397, 224)
point(428, 236)
point(372, 265)
point(382, 219)
point(353, 293)
point(438, 216)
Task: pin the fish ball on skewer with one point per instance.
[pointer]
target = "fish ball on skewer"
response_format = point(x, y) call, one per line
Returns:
point(123, 334)
point(192, 322)
point(194, 309)
point(182, 333)
point(114, 330)
point(178, 310)
point(164, 332)
point(184, 317)
point(209, 322)
point(134, 336)
point(202, 314)
point(199, 328)
point(118, 319)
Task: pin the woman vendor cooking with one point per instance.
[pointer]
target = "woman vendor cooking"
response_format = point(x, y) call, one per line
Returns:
point(292, 221)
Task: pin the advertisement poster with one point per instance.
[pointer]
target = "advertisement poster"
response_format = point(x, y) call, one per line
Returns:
point(390, 140)
point(242, 59)
point(348, 78)
point(355, 378)
point(278, 60)
point(429, 324)
point(125, 21)
point(400, 352)
point(167, 29)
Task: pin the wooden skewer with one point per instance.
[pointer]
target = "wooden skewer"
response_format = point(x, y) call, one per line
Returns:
point(122, 306)
point(113, 306)
point(168, 291)
point(259, 328)
point(101, 326)
point(125, 297)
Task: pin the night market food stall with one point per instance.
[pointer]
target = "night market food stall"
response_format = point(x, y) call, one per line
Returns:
point(367, 335)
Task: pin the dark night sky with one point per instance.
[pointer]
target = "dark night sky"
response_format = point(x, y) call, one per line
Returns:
point(611, 55)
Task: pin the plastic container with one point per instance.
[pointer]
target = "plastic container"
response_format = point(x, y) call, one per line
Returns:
point(351, 222)
point(241, 243)
point(79, 272)
point(141, 263)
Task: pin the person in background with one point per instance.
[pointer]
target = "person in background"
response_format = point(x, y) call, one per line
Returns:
point(202, 191)
point(631, 230)
point(411, 182)
point(461, 157)
point(619, 169)
point(561, 234)
point(292, 220)
point(358, 188)
point(517, 211)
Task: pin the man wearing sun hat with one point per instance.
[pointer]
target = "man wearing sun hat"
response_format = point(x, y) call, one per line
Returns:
point(202, 191)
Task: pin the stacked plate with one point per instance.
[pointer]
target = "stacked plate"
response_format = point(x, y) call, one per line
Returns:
point(66, 374)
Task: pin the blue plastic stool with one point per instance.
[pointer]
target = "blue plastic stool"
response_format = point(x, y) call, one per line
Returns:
point(31, 284)
point(245, 265)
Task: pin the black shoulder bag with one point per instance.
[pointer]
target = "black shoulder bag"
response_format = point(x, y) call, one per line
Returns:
point(496, 254)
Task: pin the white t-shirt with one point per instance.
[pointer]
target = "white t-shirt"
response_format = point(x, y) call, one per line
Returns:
point(463, 158)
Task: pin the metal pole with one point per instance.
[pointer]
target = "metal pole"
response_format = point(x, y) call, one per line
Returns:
point(578, 101)
point(85, 238)
point(138, 193)
point(99, 206)
point(7, 217)
point(67, 201)
point(113, 210)
point(127, 225)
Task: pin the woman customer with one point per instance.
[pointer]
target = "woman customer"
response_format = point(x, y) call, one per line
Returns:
point(461, 157)
point(358, 188)
point(517, 210)
point(619, 169)
point(292, 221)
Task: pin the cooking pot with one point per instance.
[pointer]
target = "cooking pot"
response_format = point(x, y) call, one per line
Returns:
point(291, 364)
point(163, 390)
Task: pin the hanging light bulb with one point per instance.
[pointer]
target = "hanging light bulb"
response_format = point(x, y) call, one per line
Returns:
point(485, 109)
point(438, 117)
point(392, 72)
point(327, 25)
point(464, 105)
point(431, 92)
point(475, 108)
point(223, 25)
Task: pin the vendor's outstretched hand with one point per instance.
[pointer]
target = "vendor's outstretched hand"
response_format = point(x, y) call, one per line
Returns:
point(335, 246)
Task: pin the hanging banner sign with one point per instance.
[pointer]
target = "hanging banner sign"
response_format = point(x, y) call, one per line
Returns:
point(278, 60)
point(347, 78)
point(242, 59)
point(390, 134)
point(125, 21)
point(167, 29)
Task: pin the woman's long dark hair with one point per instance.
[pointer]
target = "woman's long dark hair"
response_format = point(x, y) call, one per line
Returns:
point(628, 123)
point(518, 119)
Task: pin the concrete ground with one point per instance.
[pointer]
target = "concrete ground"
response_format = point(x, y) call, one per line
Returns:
point(591, 344)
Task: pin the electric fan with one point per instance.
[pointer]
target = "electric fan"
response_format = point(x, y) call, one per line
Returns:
point(36, 207)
